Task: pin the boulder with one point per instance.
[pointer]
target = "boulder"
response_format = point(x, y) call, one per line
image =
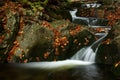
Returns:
point(29, 41)
point(8, 35)
point(53, 41)
point(109, 51)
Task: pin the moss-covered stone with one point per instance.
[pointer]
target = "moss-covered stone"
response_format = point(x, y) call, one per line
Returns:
point(35, 41)
point(9, 35)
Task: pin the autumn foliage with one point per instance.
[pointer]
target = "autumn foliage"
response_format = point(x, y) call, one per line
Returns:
point(75, 31)
point(59, 41)
point(113, 16)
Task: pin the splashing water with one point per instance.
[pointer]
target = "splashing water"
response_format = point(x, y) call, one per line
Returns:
point(88, 53)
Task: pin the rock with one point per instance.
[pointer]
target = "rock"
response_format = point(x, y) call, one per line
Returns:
point(116, 70)
point(8, 36)
point(33, 42)
point(43, 41)
point(39, 42)
point(109, 52)
point(54, 12)
point(108, 2)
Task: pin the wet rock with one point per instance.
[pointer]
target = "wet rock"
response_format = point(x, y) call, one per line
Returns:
point(109, 52)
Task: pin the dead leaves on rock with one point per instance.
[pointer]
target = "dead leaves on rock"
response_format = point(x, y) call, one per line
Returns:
point(75, 31)
point(46, 55)
point(1, 39)
point(59, 41)
point(86, 41)
point(107, 41)
point(113, 16)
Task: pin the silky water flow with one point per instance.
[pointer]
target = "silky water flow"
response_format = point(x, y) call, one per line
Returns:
point(88, 53)
point(84, 56)
point(79, 67)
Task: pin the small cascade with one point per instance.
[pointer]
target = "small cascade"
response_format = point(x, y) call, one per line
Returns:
point(93, 5)
point(74, 17)
point(73, 14)
point(90, 21)
point(88, 53)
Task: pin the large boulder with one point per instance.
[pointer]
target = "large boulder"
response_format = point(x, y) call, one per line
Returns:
point(41, 40)
point(109, 50)
point(59, 42)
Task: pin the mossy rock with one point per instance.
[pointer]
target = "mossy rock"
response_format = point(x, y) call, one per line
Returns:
point(34, 39)
point(9, 35)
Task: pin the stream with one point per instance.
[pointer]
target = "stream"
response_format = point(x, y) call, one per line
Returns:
point(78, 71)
point(80, 66)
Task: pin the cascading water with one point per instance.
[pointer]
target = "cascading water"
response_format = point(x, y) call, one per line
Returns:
point(73, 14)
point(88, 53)
point(79, 69)
point(90, 21)
point(84, 56)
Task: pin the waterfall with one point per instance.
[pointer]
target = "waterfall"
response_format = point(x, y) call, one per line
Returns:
point(73, 14)
point(74, 17)
point(90, 21)
point(84, 56)
point(88, 53)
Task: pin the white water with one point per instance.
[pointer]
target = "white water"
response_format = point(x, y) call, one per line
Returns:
point(65, 64)
point(90, 21)
point(73, 14)
point(93, 5)
point(85, 56)
point(88, 53)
